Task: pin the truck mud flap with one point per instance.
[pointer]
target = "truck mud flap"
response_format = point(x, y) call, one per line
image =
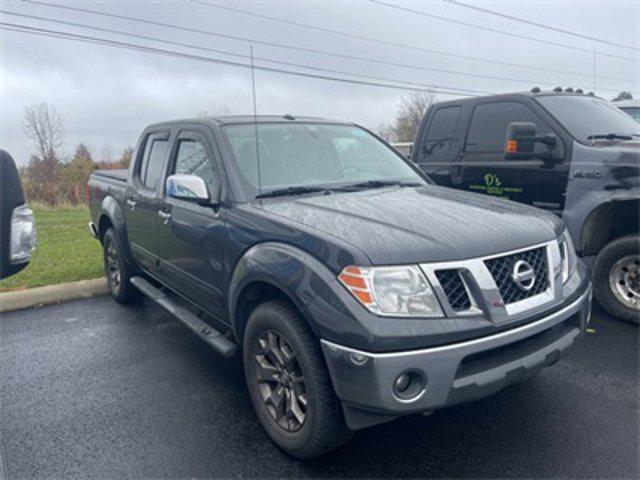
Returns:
point(216, 340)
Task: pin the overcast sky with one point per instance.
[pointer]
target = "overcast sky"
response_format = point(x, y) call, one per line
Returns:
point(107, 95)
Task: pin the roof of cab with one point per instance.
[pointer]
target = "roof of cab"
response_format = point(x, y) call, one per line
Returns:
point(506, 96)
point(240, 119)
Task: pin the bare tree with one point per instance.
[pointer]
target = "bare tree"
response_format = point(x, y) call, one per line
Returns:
point(45, 127)
point(412, 109)
point(623, 96)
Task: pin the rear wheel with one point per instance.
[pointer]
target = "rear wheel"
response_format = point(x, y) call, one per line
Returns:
point(616, 274)
point(118, 271)
point(289, 383)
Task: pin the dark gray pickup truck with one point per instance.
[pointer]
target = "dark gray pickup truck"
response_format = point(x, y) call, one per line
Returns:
point(357, 290)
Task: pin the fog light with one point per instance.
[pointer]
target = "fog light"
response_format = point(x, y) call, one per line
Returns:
point(409, 385)
point(402, 383)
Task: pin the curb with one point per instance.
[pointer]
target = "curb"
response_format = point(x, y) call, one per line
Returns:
point(63, 292)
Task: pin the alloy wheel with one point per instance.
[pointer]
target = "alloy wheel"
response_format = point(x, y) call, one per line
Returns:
point(113, 267)
point(280, 381)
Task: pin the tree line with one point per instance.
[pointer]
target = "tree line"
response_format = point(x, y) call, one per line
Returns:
point(48, 178)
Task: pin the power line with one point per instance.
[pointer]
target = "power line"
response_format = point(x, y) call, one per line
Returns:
point(233, 54)
point(540, 25)
point(495, 30)
point(281, 62)
point(370, 39)
point(316, 51)
point(172, 53)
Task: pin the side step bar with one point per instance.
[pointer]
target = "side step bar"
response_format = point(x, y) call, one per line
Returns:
point(210, 335)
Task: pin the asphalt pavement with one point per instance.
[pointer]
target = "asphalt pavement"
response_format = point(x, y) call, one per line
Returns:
point(94, 389)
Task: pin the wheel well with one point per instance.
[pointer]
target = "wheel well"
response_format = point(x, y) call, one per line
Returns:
point(250, 297)
point(104, 224)
point(609, 222)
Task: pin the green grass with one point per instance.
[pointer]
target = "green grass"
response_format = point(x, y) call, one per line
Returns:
point(66, 252)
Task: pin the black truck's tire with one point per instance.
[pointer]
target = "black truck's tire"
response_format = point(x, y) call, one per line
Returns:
point(322, 427)
point(616, 275)
point(118, 271)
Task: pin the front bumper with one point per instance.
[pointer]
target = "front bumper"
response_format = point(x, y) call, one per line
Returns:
point(453, 373)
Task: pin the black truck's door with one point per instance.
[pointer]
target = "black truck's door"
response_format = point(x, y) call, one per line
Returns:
point(482, 166)
point(143, 199)
point(192, 237)
point(439, 145)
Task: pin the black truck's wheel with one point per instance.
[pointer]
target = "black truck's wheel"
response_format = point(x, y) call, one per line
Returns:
point(289, 384)
point(616, 276)
point(117, 271)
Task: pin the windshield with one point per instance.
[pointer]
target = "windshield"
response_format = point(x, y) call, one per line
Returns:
point(313, 155)
point(585, 116)
point(633, 111)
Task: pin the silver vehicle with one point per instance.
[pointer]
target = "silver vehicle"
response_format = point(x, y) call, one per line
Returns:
point(632, 107)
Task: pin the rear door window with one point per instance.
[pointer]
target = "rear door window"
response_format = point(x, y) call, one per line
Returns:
point(439, 136)
point(153, 162)
point(488, 127)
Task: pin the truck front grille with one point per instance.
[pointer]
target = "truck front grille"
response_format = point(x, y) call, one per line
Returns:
point(501, 269)
point(454, 289)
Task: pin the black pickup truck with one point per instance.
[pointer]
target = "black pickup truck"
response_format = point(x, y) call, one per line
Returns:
point(573, 154)
point(356, 289)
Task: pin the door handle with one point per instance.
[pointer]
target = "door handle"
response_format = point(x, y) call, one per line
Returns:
point(165, 216)
point(131, 204)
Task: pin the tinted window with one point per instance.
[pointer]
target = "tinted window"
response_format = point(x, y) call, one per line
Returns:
point(489, 123)
point(633, 111)
point(439, 136)
point(192, 159)
point(585, 116)
point(154, 163)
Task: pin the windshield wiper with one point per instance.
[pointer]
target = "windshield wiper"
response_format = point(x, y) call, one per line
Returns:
point(296, 190)
point(610, 136)
point(380, 184)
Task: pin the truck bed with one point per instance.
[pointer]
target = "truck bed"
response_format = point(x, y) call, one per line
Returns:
point(114, 174)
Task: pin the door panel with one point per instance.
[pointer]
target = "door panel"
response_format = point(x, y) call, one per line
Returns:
point(192, 237)
point(440, 145)
point(143, 200)
point(483, 168)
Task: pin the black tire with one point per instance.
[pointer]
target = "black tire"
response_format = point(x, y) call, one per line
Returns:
point(118, 271)
point(323, 428)
point(612, 260)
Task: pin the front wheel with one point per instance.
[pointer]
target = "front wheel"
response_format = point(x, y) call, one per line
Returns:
point(289, 383)
point(118, 271)
point(616, 276)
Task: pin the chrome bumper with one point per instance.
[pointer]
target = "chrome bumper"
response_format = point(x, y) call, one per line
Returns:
point(454, 373)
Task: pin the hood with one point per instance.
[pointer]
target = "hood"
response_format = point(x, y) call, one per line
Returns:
point(423, 224)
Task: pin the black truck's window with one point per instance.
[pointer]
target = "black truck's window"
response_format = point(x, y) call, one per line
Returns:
point(152, 167)
point(439, 136)
point(192, 159)
point(489, 125)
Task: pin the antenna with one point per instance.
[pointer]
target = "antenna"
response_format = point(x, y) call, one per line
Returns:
point(255, 119)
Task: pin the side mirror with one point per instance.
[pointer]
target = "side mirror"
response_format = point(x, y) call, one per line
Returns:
point(17, 224)
point(521, 140)
point(190, 188)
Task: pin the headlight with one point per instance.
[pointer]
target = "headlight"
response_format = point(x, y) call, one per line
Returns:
point(23, 235)
point(568, 255)
point(393, 291)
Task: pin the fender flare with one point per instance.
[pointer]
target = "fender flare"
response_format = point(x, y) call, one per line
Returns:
point(291, 270)
point(581, 217)
point(111, 209)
